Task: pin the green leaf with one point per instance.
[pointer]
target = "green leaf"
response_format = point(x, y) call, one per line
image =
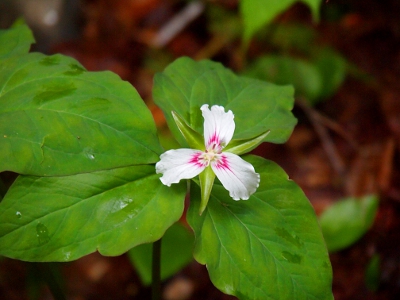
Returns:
point(185, 85)
point(15, 41)
point(245, 145)
point(314, 5)
point(64, 218)
point(206, 179)
point(346, 221)
point(333, 69)
point(194, 139)
point(304, 76)
point(59, 119)
point(223, 22)
point(292, 37)
point(176, 252)
point(258, 13)
point(267, 247)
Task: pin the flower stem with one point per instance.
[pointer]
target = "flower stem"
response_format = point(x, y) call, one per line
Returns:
point(48, 273)
point(156, 271)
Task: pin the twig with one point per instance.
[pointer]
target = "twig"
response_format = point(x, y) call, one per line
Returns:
point(48, 273)
point(156, 271)
point(213, 47)
point(177, 24)
point(327, 143)
point(338, 129)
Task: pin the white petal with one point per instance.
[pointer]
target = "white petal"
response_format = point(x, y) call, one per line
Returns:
point(179, 164)
point(218, 125)
point(236, 175)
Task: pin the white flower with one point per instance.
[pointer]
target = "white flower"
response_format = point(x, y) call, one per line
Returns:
point(235, 174)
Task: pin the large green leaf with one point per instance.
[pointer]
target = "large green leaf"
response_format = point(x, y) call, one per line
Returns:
point(267, 247)
point(280, 69)
point(176, 252)
point(258, 106)
point(257, 13)
point(58, 119)
point(347, 221)
point(15, 41)
point(64, 218)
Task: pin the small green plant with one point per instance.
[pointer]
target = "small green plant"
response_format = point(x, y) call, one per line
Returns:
point(258, 13)
point(346, 221)
point(86, 148)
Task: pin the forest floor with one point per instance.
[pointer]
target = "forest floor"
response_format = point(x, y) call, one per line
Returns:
point(361, 123)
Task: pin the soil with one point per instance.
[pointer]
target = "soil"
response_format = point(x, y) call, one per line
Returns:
point(358, 154)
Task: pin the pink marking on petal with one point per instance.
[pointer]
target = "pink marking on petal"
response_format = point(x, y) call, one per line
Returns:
point(196, 159)
point(223, 163)
point(214, 139)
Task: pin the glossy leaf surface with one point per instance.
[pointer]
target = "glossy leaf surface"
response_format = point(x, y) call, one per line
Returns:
point(257, 13)
point(176, 252)
point(59, 119)
point(64, 218)
point(267, 247)
point(258, 106)
point(347, 221)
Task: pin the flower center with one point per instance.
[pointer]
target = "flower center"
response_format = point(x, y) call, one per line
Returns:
point(212, 153)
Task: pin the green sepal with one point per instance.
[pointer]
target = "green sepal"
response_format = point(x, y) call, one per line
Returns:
point(242, 146)
point(206, 183)
point(194, 139)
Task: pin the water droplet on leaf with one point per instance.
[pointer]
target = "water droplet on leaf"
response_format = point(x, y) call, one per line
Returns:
point(293, 258)
point(89, 153)
point(42, 233)
point(74, 70)
point(50, 61)
point(67, 255)
point(52, 91)
point(18, 214)
point(291, 238)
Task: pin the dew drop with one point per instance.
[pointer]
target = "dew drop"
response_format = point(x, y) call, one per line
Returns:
point(18, 214)
point(291, 238)
point(293, 258)
point(42, 233)
point(67, 255)
point(50, 60)
point(89, 153)
point(120, 204)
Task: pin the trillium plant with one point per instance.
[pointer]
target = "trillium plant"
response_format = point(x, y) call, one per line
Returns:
point(93, 176)
point(236, 175)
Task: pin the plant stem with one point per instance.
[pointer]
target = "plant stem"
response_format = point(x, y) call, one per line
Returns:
point(48, 272)
point(156, 271)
